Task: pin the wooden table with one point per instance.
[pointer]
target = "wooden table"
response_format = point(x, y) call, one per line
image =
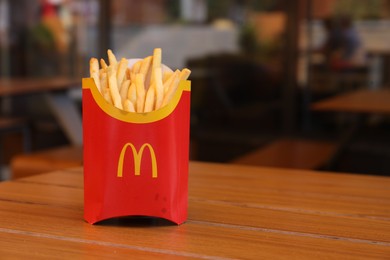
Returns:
point(359, 101)
point(54, 92)
point(235, 212)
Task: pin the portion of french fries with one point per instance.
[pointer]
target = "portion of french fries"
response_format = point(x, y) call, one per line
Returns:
point(142, 88)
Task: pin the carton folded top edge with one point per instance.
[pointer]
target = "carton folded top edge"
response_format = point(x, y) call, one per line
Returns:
point(88, 83)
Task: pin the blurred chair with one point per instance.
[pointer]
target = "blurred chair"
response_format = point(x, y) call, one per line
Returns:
point(233, 87)
point(14, 125)
point(324, 81)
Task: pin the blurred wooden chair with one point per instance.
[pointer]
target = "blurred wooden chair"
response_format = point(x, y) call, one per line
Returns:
point(10, 125)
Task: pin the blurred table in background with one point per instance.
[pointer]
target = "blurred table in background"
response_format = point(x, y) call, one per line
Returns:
point(235, 212)
point(361, 104)
point(55, 93)
point(359, 101)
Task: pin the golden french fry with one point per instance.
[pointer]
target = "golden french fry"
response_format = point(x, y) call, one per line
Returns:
point(104, 86)
point(121, 71)
point(128, 73)
point(169, 81)
point(128, 106)
point(167, 75)
point(111, 58)
point(134, 70)
point(140, 90)
point(132, 94)
point(102, 75)
point(113, 86)
point(145, 65)
point(94, 72)
point(136, 67)
point(184, 74)
point(107, 96)
point(124, 89)
point(149, 101)
point(157, 57)
point(101, 72)
point(132, 76)
point(171, 90)
point(145, 69)
point(156, 63)
point(103, 64)
point(159, 87)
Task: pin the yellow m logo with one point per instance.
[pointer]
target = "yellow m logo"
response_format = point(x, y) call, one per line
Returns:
point(137, 159)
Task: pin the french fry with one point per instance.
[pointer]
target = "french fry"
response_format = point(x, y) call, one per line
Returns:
point(101, 72)
point(121, 71)
point(94, 72)
point(113, 86)
point(103, 64)
point(124, 89)
point(172, 89)
point(169, 81)
point(103, 78)
point(145, 65)
point(156, 63)
point(159, 87)
point(128, 106)
point(184, 74)
point(146, 69)
point(140, 90)
point(105, 90)
point(134, 70)
point(111, 58)
point(128, 73)
point(149, 101)
point(132, 93)
point(167, 75)
point(107, 96)
point(137, 66)
point(157, 57)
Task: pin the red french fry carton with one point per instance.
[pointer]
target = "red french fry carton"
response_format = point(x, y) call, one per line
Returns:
point(135, 164)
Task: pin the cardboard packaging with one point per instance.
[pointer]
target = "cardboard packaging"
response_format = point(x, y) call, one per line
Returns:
point(135, 164)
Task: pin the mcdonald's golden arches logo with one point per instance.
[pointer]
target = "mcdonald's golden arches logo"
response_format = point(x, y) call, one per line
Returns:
point(137, 155)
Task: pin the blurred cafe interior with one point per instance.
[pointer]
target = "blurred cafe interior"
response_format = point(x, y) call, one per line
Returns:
point(274, 82)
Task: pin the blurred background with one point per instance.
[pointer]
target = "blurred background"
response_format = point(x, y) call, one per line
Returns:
point(257, 68)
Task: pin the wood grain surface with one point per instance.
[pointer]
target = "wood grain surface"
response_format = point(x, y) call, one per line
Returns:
point(235, 212)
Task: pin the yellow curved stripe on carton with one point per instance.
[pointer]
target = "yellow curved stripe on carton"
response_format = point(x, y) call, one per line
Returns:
point(130, 117)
